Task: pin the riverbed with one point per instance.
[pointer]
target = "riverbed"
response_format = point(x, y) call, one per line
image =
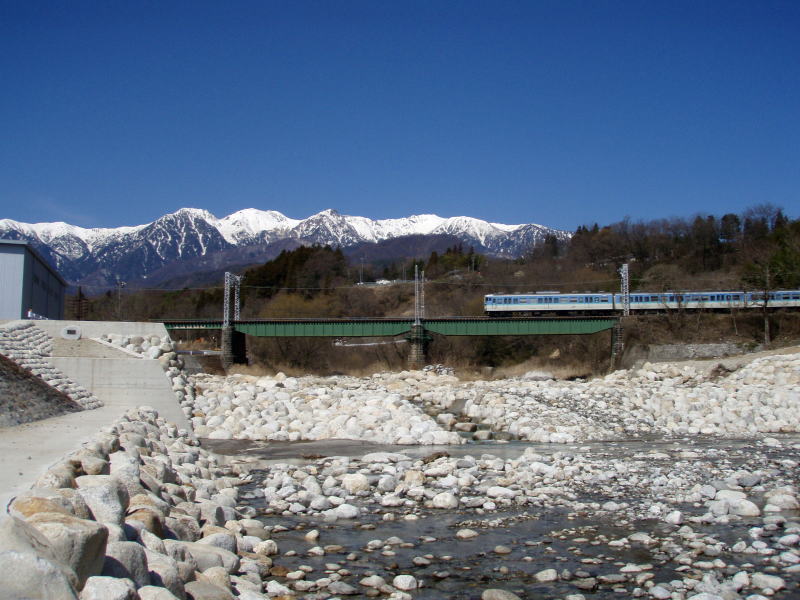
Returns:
point(605, 539)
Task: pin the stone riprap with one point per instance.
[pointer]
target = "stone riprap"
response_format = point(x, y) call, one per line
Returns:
point(152, 347)
point(139, 506)
point(25, 398)
point(30, 347)
point(284, 408)
point(656, 399)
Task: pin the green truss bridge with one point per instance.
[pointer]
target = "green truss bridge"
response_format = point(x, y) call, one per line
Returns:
point(417, 334)
point(385, 327)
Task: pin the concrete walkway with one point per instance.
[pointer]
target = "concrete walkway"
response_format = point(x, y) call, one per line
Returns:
point(26, 451)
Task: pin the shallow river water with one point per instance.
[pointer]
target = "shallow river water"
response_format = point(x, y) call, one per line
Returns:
point(589, 549)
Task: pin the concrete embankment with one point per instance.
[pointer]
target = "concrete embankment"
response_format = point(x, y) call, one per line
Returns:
point(121, 381)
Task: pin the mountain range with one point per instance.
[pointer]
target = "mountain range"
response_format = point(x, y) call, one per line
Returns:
point(193, 240)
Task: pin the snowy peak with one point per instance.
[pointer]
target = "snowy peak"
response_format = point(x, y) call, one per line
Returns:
point(131, 253)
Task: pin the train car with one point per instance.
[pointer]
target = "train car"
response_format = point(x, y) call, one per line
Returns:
point(556, 303)
point(662, 301)
point(776, 299)
point(548, 303)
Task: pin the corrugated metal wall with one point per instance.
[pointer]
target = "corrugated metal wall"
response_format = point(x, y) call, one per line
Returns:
point(26, 283)
point(12, 267)
point(43, 291)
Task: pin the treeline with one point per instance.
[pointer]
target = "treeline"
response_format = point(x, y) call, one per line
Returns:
point(755, 250)
point(739, 250)
point(758, 249)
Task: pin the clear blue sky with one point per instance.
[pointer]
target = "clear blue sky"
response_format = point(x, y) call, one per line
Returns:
point(557, 112)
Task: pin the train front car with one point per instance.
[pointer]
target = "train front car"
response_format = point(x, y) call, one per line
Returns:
point(548, 304)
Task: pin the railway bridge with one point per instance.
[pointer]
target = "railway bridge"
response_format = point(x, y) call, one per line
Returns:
point(416, 331)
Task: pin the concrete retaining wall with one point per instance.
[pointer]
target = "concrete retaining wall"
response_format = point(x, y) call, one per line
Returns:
point(125, 383)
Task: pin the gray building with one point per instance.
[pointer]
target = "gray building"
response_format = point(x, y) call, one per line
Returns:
point(28, 283)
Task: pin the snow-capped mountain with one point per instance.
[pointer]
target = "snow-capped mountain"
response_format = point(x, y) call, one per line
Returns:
point(102, 256)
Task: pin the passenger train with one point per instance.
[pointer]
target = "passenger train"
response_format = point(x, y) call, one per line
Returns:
point(554, 303)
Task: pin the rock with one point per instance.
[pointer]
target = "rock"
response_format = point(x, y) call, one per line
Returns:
point(373, 581)
point(164, 572)
point(150, 519)
point(34, 577)
point(347, 511)
point(109, 588)
point(340, 588)
point(744, 508)
point(674, 518)
point(466, 534)
point(445, 500)
point(355, 482)
point(19, 535)
point(217, 576)
point(151, 592)
point(78, 543)
point(207, 556)
point(546, 576)
point(763, 581)
point(57, 477)
point(660, 592)
point(26, 506)
point(201, 590)
point(93, 465)
point(105, 496)
point(249, 595)
point(404, 582)
point(498, 594)
point(784, 501)
point(274, 588)
point(266, 547)
point(497, 491)
point(225, 541)
point(127, 560)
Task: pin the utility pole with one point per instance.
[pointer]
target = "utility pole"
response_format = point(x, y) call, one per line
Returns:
point(625, 288)
point(417, 339)
point(617, 343)
point(231, 281)
point(120, 285)
point(417, 304)
point(231, 352)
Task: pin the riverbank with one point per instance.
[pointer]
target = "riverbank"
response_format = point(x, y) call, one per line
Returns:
point(638, 502)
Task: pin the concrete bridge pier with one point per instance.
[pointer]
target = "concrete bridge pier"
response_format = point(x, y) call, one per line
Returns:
point(418, 339)
point(234, 348)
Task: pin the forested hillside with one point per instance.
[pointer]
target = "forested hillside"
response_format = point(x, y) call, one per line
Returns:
point(759, 249)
